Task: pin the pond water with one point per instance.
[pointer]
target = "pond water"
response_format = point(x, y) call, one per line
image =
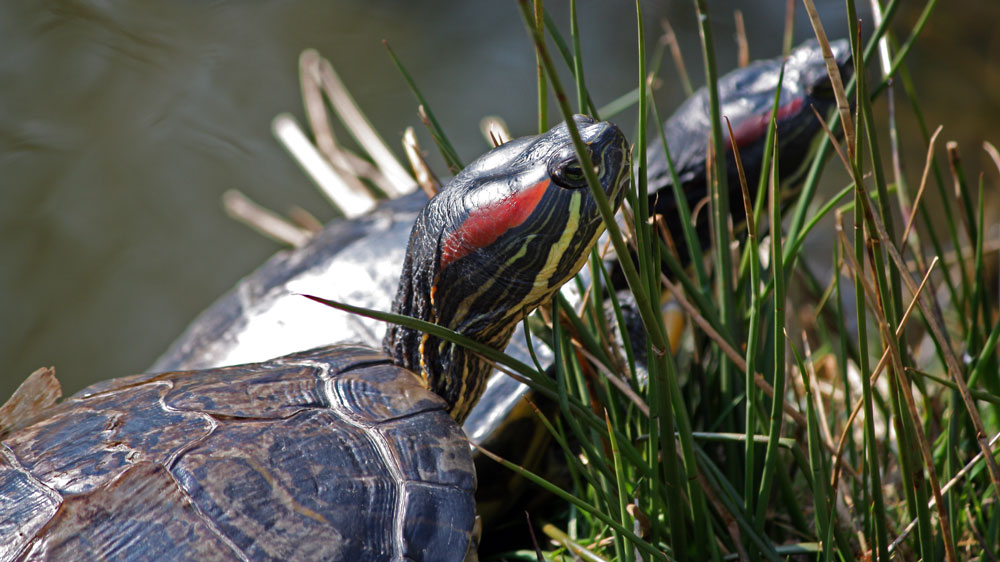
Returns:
point(122, 123)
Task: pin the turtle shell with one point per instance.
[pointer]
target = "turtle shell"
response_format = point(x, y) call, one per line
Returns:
point(327, 454)
point(357, 261)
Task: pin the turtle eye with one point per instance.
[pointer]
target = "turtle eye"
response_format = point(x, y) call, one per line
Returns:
point(566, 172)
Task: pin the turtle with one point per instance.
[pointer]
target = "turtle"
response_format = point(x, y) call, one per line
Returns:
point(354, 260)
point(746, 98)
point(339, 452)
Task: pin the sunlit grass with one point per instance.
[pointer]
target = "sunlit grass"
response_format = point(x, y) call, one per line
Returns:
point(783, 468)
point(866, 432)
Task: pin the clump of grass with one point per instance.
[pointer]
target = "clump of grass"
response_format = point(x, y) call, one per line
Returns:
point(746, 445)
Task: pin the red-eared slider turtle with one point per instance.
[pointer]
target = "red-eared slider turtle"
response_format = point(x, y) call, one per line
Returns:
point(339, 452)
point(746, 97)
point(356, 260)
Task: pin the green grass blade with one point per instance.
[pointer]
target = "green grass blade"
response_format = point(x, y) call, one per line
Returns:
point(771, 458)
point(822, 494)
point(451, 158)
point(719, 193)
point(538, 381)
point(581, 90)
point(623, 495)
point(683, 209)
point(543, 91)
point(753, 331)
point(567, 56)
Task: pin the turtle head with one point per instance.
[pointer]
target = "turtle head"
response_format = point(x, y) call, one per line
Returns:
point(496, 242)
point(807, 61)
point(747, 96)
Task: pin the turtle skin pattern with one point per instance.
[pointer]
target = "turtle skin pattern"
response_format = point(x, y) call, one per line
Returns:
point(332, 453)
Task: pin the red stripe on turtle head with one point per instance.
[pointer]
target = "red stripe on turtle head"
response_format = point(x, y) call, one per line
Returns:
point(753, 127)
point(485, 224)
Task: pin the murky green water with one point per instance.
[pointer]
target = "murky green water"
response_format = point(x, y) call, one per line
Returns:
point(121, 124)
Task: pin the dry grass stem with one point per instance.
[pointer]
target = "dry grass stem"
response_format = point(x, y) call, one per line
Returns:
point(742, 47)
point(425, 176)
point(675, 52)
point(495, 130)
point(330, 183)
point(239, 207)
point(920, 192)
point(399, 181)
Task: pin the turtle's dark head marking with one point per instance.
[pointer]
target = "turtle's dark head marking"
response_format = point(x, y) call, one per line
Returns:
point(497, 241)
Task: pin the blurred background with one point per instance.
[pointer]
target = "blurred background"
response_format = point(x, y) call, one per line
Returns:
point(122, 123)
